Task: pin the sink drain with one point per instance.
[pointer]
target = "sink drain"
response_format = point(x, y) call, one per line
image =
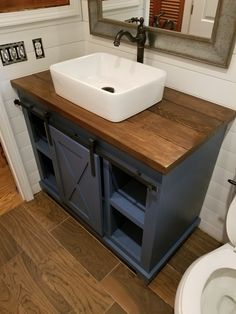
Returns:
point(109, 89)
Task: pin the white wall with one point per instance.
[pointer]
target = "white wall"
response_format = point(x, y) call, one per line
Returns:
point(204, 81)
point(111, 9)
point(62, 39)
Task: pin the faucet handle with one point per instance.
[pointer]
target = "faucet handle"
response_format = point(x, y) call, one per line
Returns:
point(136, 20)
point(141, 21)
point(132, 20)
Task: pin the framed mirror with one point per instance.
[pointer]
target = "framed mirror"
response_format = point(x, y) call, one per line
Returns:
point(211, 43)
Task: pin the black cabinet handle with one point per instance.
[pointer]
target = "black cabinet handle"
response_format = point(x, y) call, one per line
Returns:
point(42, 114)
point(92, 143)
point(17, 102)
point(232, 182)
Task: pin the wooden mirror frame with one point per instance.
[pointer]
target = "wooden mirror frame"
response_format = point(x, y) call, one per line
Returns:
point(215, 51)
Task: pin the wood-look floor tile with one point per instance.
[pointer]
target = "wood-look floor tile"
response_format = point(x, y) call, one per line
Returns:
point(132, 293)
point(8, 246)
point(67, 277)
point(18, 292)
point(182, 259)
point(97, 259)
point(115, 309)
point(58, 284)
point(165, 284)
point(53, 296)
point(201, 243)
point(198, 244)
point(46, 211)
point(28, 234)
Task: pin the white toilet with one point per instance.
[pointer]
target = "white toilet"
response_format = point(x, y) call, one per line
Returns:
point(209, 284)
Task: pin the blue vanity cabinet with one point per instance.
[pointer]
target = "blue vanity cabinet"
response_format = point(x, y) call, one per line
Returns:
point(140, 189)
point(80, 177)
point(143, 215)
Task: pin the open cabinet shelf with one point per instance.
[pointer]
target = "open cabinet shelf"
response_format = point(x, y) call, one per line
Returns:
point(132, 212)
point(43, 147)
point(128, 187)
point(48, 172)
point(126, 234)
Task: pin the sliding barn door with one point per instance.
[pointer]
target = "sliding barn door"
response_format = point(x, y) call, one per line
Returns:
point(81, 188)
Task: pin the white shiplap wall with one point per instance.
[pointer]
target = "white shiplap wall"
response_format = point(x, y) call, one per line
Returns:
point(129, 9)
point(204, 81)
point(62, 39)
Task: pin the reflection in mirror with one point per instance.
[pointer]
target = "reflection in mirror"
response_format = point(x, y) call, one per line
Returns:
point(185, 16)
point(216, 48)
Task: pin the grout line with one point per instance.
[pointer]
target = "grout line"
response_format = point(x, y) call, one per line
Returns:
point(110, 306)
point(60, 245)
point(13, 257)
point(115, 302)
point(77, 261)
point(60, 223)
point(111, 271)
point(95, 238)
point(28, 211)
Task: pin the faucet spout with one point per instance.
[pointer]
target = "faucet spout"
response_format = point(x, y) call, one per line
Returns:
point(140, 39)
point(122, 33)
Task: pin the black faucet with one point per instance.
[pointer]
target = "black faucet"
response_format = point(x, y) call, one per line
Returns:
point(140, 38)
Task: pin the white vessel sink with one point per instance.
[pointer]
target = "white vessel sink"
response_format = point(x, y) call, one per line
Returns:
point(133, 86)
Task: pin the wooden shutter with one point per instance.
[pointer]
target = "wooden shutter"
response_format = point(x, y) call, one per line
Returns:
point(173, 10)
point(16, 5)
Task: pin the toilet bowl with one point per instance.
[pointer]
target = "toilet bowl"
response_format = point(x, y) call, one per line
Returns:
point(209, 285)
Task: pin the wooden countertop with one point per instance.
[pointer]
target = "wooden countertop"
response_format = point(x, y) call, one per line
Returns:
point(160, 137)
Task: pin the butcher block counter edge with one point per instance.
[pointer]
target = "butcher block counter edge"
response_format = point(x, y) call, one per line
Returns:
point(160, 137)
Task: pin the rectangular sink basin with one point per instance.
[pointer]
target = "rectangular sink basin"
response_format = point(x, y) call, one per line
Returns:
point(112, 87)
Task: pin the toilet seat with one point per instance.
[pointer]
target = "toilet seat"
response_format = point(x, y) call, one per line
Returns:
point(230, 222)
point(188, 297)
point(199, 275)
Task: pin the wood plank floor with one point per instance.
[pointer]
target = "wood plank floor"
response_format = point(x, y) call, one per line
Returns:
point(50, 264)
point(9, 196)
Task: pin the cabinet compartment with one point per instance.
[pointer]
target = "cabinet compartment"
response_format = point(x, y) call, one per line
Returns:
point(128, 187)
point(47, 170)
point(127, 191)
point(38, 127)
point(126, 235)
point(39, 133)
point(128, 209)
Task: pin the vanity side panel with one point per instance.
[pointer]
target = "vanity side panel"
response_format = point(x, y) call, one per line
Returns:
point(180, 200)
